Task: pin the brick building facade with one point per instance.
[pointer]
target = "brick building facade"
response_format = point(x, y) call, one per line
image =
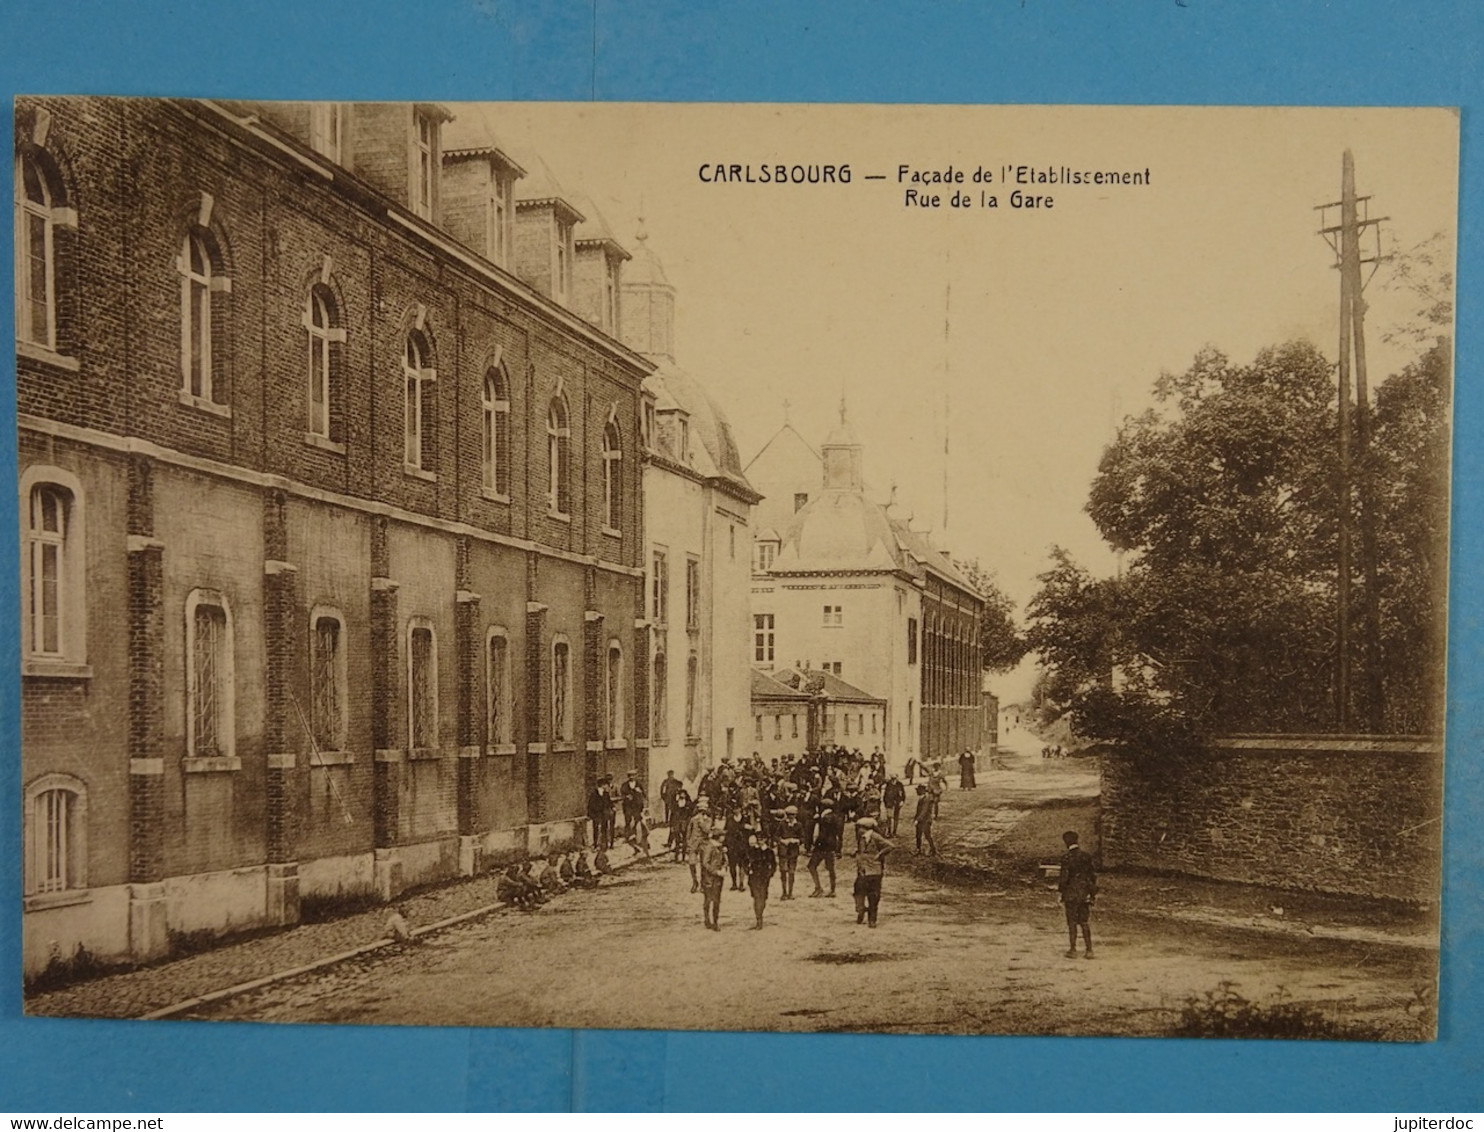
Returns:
point(332, 555)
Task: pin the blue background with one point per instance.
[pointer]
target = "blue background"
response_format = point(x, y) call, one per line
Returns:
point(1350, 52)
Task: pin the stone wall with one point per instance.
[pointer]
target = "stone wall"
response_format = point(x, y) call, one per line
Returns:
point(1328, 813)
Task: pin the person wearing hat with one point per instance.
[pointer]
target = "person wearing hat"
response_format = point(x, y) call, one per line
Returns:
point(893, 795)
point(790, 837)
point(697, 830)
point(828, 833)
point(713, 866)
point(597, 812)
point(761, 864)
point(1077, 886)
point(927, 810)
point(870, 867)
point(631, 795)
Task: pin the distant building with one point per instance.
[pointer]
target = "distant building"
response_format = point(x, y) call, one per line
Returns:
point(842, 586)
point(698, 544)
point(330, 472)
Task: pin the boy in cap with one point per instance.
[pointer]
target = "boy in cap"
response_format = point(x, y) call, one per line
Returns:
point(926, 812)
point(762, 863)
point(713, 862)
point(1077, 885)
point(870, 867)
point(790, 836)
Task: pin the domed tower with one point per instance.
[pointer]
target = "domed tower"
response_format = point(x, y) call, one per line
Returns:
point(647, 312)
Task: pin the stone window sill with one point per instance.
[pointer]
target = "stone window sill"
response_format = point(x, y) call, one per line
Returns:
point(414, 472)
point(416, 753)
point(612, 532)
point(209, 764)
point(56, 669)
point(617, 744)
point(40, 901)
point(494, 496)
point(502, 748)
point(559, 516)
point(34, 351)
point(332, 758)
point(692, 740)
point(564, 747)
point(324, 443)
point(205, 405)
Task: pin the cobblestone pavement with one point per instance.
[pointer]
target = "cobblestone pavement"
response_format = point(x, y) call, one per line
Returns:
point(131, 994)
point(948, 957)
point(969, 902)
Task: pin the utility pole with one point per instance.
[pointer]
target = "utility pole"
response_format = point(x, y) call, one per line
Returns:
point(1356, 468)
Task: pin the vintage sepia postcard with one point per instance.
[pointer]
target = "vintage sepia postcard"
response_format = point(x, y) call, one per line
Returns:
point(892, 569)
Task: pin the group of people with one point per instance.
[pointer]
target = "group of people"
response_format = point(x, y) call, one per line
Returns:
point(754, 819)
point(521, 887)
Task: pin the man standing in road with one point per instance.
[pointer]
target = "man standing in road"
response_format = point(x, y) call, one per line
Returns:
point(870, 866)
point(631, 795)
point(597, 813)
point(789, 838)
point(697, 833)
point(893, 794)
point(762, 863)
point(1078, 886)
point(828, 832)
point(926, 811)
point(713, 861)
point(668, 789)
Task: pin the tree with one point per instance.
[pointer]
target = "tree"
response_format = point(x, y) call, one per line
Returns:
point(1001, 645)
point(1224, 498)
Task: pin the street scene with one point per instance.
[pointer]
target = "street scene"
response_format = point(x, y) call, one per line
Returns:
point(968, 942)
point(538, 565)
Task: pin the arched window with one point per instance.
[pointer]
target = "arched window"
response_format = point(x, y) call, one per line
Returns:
point(53, 612)
point(201, 286)
point(496, 432)
point(211, 686)
point(561, 690)
point(35, 254)
point(614, 690)
point(660, 729)
point(419, 417)
point(498, 667)
point(422, 685)
point(320, 319)
point(56, 852)
point(612, 477)
point(558, 457)
point(327, 680)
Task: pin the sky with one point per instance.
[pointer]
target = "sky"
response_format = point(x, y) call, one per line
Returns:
point(1029, 332)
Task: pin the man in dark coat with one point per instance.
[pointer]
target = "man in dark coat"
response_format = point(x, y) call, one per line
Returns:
point(1077, 885)
point(893, 794)
point(828, 833)
point(668, 789)
point(631, 795)
point(597, 813)
point(762, 863)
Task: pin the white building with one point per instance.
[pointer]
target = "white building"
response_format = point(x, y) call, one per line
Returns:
point(698, 530)
point(840, 585)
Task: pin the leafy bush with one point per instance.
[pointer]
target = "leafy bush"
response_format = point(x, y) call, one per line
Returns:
point(1226, 1013)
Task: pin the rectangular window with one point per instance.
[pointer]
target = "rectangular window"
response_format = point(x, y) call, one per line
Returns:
point(615, 692)
point(52, 860)
point(778, 726)
point(834, 668)
point(422, 721)
point(845, 722)
point(766, 552)
point(692, 675)
point(834, 616)
point(325, 687)
point(911, 640)
point(325, 129)
point(757, 728)
point(692, 594)
point(661, 584)
point(762, 638)
point(795, 718)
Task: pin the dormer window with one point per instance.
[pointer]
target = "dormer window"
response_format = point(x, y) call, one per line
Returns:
point(327, 128)
point(610, 297)
point(422, 189)
point(562, 263)
point(682, 440)
point(500, 221)
point(765, 550)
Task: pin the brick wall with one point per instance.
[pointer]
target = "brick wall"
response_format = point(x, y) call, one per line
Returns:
point(1350, 816)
